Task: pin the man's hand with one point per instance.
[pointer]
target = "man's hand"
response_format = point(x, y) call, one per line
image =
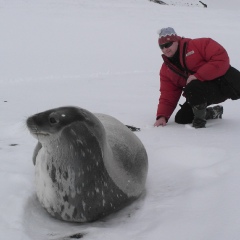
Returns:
point(190, 78)
point(160, 122)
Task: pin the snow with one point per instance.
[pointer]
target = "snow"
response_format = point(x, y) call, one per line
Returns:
point(103, 56)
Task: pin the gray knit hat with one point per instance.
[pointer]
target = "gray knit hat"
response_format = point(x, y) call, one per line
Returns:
point(167, 35)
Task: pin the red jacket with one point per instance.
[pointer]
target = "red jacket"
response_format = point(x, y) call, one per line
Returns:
point(203, 57)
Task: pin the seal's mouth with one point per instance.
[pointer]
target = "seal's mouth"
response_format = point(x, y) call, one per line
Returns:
point(42, 134)
point(36, 133)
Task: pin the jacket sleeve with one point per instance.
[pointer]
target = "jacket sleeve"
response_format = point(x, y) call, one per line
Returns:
point(169, 95)
point(215, 56)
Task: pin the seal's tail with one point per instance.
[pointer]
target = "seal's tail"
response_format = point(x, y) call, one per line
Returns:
point(133, 129)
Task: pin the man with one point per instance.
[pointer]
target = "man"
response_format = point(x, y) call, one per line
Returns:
point(198, 68)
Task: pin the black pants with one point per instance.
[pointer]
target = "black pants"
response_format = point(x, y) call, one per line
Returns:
point(210, 92)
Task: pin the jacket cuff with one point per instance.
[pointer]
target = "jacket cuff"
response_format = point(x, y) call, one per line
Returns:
point(162, 116)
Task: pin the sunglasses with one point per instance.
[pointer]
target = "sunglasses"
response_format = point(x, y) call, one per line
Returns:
point(166, 45)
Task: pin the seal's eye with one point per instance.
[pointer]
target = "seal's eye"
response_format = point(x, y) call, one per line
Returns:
point(53, 119)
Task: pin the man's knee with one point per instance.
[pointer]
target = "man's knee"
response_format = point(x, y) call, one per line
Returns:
point(230, 83)
point(195, 92)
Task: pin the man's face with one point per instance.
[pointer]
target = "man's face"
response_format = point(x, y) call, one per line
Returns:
point(169, 51)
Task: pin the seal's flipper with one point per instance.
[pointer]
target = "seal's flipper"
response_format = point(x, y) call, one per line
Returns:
point(35, 153)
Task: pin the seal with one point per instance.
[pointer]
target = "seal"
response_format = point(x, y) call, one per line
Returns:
point(87, 165)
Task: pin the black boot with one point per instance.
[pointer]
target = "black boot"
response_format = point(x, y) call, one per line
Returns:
point(214, 112)
point(199, 112)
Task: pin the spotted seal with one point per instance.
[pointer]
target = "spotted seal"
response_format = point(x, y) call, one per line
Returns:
point(87, 165)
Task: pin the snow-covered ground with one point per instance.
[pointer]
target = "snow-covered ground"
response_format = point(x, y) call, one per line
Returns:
point(103, 56)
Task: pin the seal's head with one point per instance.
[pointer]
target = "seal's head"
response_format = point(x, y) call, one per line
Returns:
point(50, 124)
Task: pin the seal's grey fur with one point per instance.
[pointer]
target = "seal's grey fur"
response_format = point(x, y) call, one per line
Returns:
point(87, 165)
